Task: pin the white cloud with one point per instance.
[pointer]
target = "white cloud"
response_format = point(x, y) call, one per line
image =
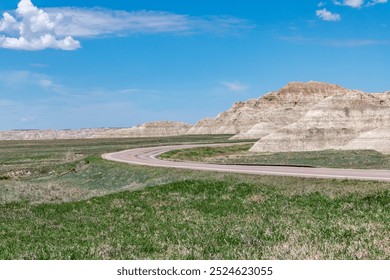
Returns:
point(8, 22)
point(94, 22)
point(359, 3)
point(351, 3)
point(324, 14)
point(375, 2)
point(80, 22)
point(235, 86)
point(32, 28)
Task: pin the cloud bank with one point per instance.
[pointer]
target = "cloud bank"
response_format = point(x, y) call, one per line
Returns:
point(31, 28)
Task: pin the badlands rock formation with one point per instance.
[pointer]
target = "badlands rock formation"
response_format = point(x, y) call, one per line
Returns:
point(256, 118)
point(288, 105)
point(377, 139)
point(152, 129)
point(332, 124)
point(50, 134)
point(306, 117)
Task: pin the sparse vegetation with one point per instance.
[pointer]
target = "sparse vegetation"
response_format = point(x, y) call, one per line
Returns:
point(82, 207)
point(64, 170)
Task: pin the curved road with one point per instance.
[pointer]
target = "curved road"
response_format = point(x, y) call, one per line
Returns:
point(147, 157)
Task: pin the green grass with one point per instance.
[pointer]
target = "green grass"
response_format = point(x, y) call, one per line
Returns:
point(238, 154)
point(65, 170)
point(202, 219)
point(205, 153)
point(60, 200)
point(43, 157)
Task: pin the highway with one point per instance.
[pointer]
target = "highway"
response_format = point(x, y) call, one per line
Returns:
point(148, 157)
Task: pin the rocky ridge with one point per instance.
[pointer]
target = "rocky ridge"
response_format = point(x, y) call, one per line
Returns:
point(332, 124)
point(48, 134)
point(151, 129)
point(257, 118)
point(286, 106)
point(306, 117)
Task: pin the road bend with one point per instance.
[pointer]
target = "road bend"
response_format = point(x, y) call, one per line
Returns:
point(148, 157)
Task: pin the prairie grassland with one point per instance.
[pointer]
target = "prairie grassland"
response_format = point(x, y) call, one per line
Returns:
point(202, 219)
point(66, 170)
point(60, 200)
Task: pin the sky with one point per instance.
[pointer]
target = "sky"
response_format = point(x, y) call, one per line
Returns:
point(79, 64)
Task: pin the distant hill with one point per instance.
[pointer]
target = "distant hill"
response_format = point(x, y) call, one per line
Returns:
point(151, 129)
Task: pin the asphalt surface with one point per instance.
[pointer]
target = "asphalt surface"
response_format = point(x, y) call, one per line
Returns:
point(148, 157)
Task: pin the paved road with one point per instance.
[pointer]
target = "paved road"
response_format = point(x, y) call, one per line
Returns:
point(147, 157)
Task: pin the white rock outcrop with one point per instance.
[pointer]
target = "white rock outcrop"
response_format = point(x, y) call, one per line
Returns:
point(286, 106)
point(377, 139)
point(152, 129)
point(51, 134)
point(331, 124)
point(256, 118)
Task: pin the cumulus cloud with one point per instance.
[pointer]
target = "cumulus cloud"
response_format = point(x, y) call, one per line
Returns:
point(235, 86)
point(32, 28)
point(324, 14)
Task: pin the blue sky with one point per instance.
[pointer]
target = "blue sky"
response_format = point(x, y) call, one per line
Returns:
point(75, 64)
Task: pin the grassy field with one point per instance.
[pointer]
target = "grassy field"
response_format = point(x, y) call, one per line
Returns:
point(238, 154)
point(65, 170)
point(60, 200)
